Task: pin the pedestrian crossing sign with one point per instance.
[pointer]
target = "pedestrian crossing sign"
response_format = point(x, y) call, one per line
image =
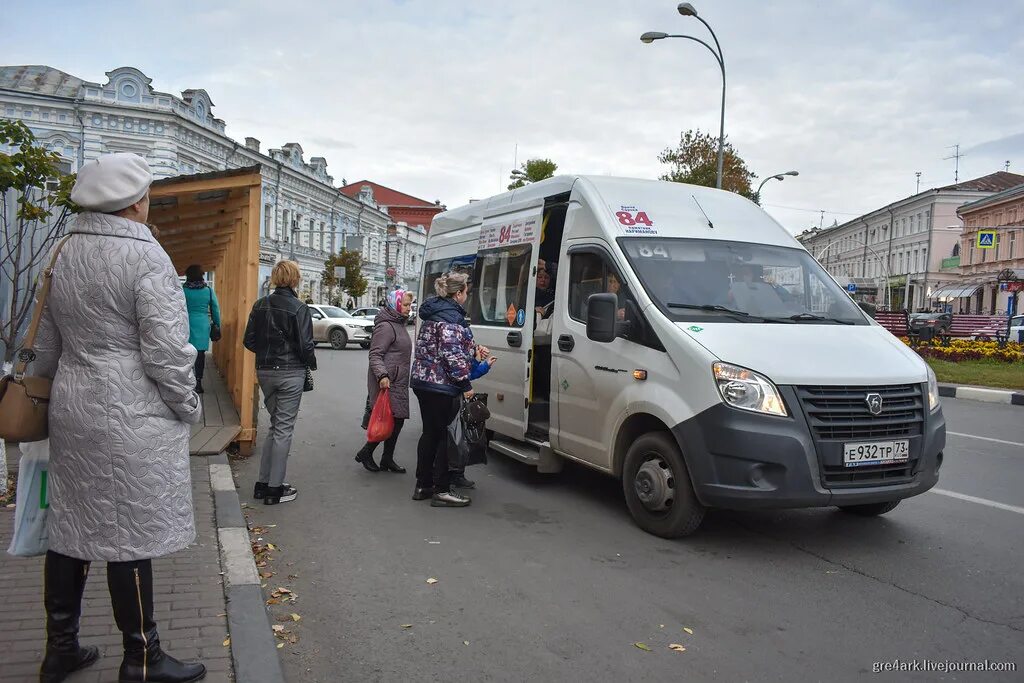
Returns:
point(986, 239)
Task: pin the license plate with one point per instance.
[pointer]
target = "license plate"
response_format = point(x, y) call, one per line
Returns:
point(875, 453)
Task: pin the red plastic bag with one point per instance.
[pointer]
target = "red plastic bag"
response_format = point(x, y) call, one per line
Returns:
point(382, 422)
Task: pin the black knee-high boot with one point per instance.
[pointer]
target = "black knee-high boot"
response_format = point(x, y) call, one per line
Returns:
point(64, 579)
point(131, 594)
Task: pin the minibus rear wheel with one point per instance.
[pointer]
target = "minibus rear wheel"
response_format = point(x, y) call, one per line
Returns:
point(870, 509)
point(657, 487)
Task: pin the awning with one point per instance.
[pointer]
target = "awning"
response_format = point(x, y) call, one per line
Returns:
point(956, 291)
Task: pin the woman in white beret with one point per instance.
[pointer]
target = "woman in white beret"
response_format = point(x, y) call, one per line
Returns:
point(114, 339)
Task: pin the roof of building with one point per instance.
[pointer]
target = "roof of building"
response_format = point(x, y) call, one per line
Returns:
point(993, 182)
point(39, 79)
point(1015, 192)
point(387, 196)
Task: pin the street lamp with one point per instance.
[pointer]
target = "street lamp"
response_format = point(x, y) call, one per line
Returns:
point(777, 176)
point(688, 10)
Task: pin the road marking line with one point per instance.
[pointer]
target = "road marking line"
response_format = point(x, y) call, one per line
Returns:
point(985, 438)
point(980, 501)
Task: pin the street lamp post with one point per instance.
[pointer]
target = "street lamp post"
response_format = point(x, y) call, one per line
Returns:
point(688, 10)
point(777, 176)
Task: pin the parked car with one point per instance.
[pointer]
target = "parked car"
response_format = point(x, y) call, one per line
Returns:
point(1017, 328)
point(367, 312)
point(939, 322)
point(338, 327)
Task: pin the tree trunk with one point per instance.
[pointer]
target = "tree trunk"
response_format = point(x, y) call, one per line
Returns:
point(3, 450)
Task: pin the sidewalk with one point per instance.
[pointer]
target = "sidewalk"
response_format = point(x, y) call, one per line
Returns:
point(190, 607)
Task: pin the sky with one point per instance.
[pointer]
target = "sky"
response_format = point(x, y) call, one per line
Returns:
point(438, 98)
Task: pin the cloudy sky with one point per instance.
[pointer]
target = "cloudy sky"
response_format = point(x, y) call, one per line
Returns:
point(433, 96)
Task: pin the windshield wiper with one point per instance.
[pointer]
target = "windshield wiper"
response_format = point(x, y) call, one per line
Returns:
point(742, 315)
point(811, 316)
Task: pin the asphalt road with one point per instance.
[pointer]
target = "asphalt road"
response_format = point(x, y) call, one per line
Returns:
point(546, 578)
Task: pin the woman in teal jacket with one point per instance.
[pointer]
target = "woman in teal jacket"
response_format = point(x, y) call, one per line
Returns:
point(202, 306)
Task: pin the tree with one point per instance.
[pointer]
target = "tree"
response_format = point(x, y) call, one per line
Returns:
point(531, 171)
point(695, 161)
point(35, 207)
point(354, 284)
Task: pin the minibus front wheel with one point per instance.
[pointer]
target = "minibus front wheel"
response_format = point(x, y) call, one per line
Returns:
point(657, 487)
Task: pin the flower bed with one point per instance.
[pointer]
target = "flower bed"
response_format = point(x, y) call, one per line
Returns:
point(968, 349)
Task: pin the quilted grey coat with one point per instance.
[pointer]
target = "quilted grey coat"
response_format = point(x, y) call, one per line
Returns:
point(114, 338)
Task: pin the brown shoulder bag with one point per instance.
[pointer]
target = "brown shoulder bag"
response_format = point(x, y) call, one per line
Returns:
point(24, 399)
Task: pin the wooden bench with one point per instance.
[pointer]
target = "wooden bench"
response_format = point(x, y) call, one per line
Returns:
point(896, 322)
point(967, 326)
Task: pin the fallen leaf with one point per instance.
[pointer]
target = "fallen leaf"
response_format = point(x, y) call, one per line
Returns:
point(661, 625)
point(295, 617)
point(266, 575)
point(642, 646)
point(406, 625)
point(293, 576)
point(677, 647)
point(283, 590)
point(280, 645)
point(277, 628)
point(431, 581)
point(688, 630)
point(293, 639)
point(273, 601)
point(465, 642)
point(227, 642)
point(271, 546)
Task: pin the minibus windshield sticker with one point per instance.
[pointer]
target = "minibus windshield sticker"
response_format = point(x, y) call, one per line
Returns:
point(633, 220)
point(509, 233)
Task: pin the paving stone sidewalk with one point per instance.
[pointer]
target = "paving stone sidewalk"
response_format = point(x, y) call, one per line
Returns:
point(189, 603)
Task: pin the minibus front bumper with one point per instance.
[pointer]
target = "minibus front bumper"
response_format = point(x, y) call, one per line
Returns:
point(744, 460)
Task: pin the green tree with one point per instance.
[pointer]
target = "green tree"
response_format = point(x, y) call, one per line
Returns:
point(531, 171)
point(35, 207)
point(695, 161)
point(354, 284)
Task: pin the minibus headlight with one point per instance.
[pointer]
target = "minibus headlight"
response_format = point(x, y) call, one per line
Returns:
point(933, 391)
point(747, 390)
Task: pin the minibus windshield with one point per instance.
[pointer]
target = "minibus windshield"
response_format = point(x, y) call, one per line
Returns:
point(705, 280)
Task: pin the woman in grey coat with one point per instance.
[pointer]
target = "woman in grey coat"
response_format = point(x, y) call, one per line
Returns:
point(390, 359)
point(114, 339)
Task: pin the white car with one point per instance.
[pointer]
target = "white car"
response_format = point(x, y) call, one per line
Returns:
point(1017, 328)
point(338, 327)
point(368, 312)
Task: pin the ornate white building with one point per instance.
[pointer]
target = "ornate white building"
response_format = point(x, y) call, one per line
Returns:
point(305, 217)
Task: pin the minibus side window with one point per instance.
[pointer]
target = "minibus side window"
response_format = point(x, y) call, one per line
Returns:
point(589, 274)
point(498, 292)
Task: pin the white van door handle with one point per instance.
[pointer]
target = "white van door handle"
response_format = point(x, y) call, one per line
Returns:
point(566, 343)
point(514, 339)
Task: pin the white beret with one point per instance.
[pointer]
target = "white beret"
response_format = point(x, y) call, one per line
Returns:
point(112, 182)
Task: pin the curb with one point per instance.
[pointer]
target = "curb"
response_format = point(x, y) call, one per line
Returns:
point(1004, 396)
point(253, 647)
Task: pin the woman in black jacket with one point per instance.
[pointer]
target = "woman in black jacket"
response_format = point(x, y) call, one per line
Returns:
point(280, 333)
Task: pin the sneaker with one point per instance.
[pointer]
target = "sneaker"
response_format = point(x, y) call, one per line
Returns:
point(449, 499)
point(280, 494)
point(422, 493)
point(460, 482)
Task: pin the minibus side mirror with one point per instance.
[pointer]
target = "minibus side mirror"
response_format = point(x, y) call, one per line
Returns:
point(601, 317)
point(867, 308)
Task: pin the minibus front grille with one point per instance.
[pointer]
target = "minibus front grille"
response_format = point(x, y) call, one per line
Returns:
point(841, 413)
point(882, 475)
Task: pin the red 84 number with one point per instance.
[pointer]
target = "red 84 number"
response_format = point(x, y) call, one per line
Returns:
point(629, 218)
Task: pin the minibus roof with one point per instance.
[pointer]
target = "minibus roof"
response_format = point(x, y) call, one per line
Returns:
point(673, 209)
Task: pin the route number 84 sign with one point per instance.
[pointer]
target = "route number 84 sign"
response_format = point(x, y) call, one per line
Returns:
point(633, 220)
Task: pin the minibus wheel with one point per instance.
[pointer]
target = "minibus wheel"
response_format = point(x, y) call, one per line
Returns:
point(657, 487)
point(870, 509)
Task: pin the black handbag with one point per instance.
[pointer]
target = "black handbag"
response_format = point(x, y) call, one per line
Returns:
point(474, 429)
point(214, 327)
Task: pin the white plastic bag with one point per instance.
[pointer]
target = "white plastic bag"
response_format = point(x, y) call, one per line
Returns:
point(32, 502)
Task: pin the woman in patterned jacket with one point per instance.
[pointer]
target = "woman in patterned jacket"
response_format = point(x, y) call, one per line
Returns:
point(440, 375)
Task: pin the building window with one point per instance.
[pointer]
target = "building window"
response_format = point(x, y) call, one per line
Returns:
point(284, 230)
point(267, 219)
point(1013, 243)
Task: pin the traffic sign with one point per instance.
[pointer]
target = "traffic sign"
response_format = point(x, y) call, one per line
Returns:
point(851, 288)
point(986, 239)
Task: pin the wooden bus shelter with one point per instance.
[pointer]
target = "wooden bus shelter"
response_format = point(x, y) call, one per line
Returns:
point(213, 219)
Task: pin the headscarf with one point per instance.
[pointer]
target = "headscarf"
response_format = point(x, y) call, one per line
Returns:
point(395, 298)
